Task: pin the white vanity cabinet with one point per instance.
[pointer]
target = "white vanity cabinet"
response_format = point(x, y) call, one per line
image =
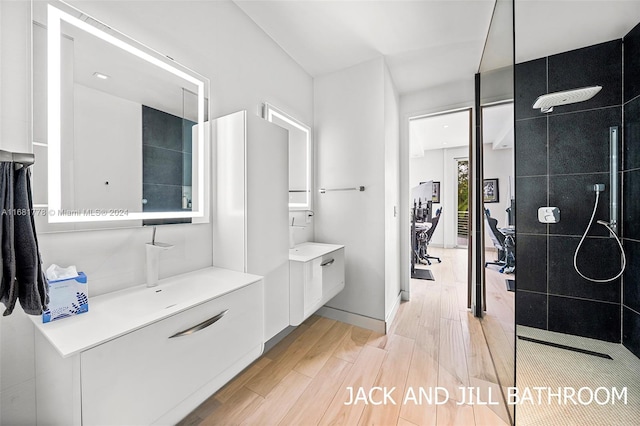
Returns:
point(316, 275)
point(143, 369)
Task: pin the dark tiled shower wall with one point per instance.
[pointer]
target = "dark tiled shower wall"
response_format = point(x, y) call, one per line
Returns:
point(166, 152)
point(631, 192)
point(558, 157)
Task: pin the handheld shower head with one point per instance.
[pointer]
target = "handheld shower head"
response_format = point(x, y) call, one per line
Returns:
point(610, 226)
point(550, 100)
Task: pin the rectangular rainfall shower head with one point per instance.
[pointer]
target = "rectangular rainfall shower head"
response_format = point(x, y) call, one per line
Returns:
point(548, 101)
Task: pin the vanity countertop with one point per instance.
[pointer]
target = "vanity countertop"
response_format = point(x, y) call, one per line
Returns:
point(308, 251)
point(114, 314)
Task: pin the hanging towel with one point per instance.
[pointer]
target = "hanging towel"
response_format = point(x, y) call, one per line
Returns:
point(8, 290)
point(33, 289)
point(22, 276)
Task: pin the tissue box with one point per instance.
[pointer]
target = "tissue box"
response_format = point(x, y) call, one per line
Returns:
point(67, 297)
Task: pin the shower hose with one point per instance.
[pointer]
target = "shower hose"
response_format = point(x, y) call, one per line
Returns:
point(608, 226)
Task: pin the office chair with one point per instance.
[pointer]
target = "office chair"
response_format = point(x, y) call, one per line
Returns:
point(498, 239)
point(424, 237)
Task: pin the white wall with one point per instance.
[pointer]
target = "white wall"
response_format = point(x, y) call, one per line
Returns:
point(245, 67)
point(108, 131)
point(459, 94)
point(350, 149)
point(440, 165)
point(499, 163)
point(391, 192)
point(426, 168)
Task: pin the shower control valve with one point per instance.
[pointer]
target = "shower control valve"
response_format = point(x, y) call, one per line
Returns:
point(548, 215)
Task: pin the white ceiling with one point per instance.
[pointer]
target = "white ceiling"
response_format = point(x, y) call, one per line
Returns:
point(451, 130)
point(425, 42)
point(442, 131)
point(547, 27)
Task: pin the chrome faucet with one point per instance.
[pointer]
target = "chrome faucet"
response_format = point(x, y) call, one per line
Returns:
point(153, 258)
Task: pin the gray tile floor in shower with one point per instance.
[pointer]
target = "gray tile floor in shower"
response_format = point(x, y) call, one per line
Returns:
point(551, 367)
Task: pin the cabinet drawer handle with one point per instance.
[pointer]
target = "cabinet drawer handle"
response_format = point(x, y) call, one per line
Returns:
point(328, 262)
point(200, 326)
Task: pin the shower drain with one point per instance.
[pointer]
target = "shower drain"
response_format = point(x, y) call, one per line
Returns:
point(569, 348)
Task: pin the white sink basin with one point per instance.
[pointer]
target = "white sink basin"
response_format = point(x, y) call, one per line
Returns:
point(113, 314)
point(149, 300)
point(170, 295)
point(308, 251)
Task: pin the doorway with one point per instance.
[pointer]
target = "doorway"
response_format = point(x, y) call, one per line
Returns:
point(439, 147)
point(452, 350)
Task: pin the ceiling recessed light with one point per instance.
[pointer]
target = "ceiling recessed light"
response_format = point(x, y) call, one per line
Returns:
point(444, 143)
point(100, 76)
point(445, 126)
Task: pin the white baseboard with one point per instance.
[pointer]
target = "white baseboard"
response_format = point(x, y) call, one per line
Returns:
point(353, 319)
point(392, 313)
point(405, 295)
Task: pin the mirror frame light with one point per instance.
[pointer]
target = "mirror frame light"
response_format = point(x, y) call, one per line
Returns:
point(269, 113)
point(57, 214)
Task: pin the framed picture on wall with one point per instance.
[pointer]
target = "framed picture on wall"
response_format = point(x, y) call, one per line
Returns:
point(436, 193)
point(491, 191)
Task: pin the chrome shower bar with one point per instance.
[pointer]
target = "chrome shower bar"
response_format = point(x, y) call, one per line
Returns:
point(613, 178)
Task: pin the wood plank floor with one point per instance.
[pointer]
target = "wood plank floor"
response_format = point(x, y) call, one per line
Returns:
point(498, 323)
point(434, 343)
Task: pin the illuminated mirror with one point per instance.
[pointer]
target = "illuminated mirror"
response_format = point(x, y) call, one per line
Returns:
point(299, 157)
point(123, 127)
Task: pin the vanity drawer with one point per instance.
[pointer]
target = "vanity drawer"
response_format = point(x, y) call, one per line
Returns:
point(137, 378)
point(314, 282)
point(332, 273)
